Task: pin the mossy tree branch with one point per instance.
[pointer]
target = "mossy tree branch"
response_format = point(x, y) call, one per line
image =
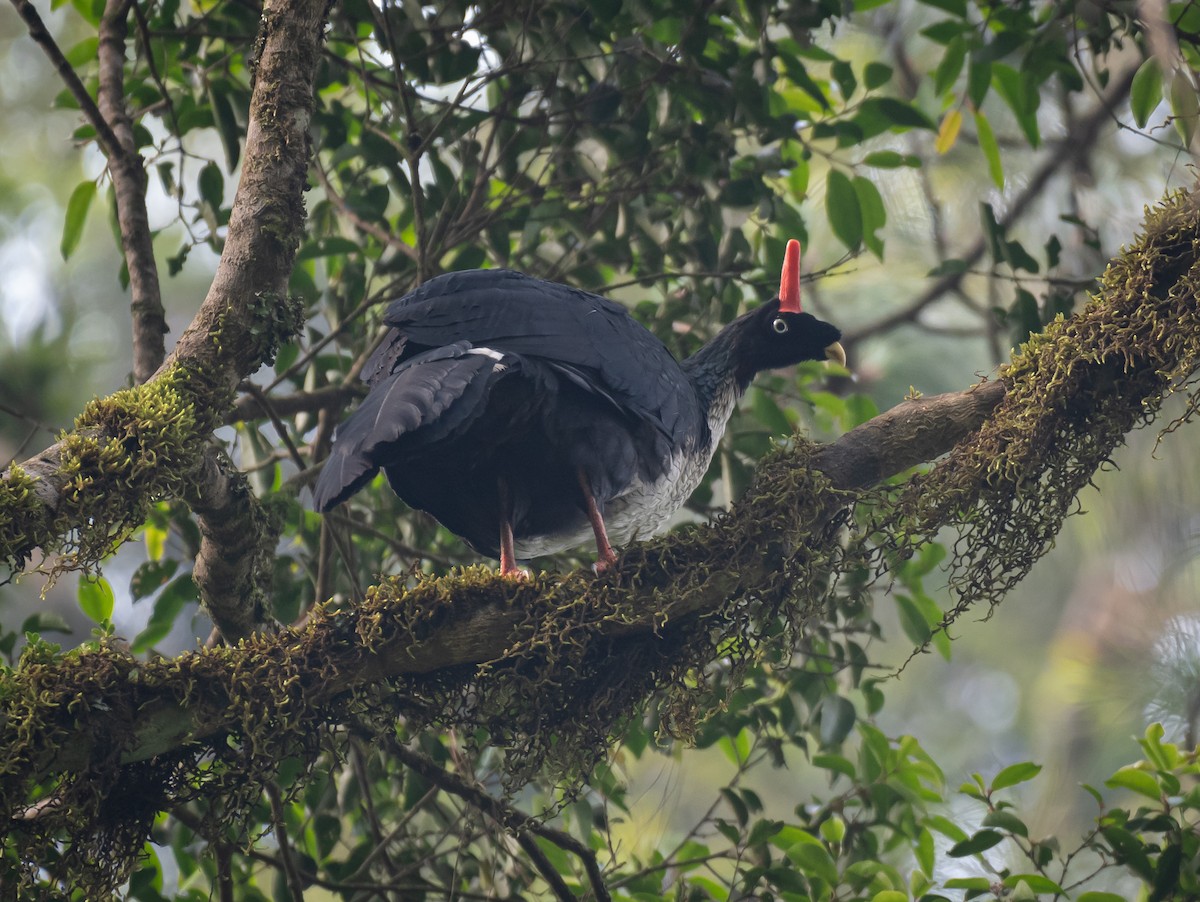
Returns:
point(244, 317)
point(481, 616)
point(522, 660)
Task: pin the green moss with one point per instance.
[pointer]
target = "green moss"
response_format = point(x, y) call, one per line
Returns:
point(127, 452)
point(552, 698)
point(267, 322)
point(1074, 392)
point(569, 674)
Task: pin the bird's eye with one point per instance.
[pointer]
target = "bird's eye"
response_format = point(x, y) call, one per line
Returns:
point(779, 325)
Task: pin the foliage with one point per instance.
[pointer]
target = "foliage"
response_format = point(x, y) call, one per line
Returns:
point(665, 152)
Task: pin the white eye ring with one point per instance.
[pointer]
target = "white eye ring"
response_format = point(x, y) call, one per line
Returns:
point(779, 325)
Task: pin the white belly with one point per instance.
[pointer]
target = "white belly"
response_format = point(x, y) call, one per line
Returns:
point(644, 509)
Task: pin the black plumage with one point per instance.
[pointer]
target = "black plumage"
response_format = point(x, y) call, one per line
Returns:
point(526, 415)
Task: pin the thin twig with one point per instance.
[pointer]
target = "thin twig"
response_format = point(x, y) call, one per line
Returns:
point(504, 814)
point(224, 871)
point(1072, 148)
point(295, 883)
point(39, 33)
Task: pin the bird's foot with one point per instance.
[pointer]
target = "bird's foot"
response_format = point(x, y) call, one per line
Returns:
point(518, 573)
point(604, 563)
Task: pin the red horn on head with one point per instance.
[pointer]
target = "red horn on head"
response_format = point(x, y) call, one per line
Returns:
point(789, 280)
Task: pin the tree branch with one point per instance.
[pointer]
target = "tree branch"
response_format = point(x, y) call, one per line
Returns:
point(129, 186)
point(331, 397)
point(109, 142)
point(1071, 149)
point(510, 817)
point(237, 541)
point(471, 633)
point(242, 320)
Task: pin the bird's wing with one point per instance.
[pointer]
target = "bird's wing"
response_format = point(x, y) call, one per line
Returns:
point(429, 397)
point(591, 339)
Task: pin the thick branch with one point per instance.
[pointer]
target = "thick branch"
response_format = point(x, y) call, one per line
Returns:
point(879, 449)
point(910, 433)
point(237, 541)
point(267, 219)
point(244, 317)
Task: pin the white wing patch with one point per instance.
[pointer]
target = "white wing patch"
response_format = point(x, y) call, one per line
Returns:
point(492, 353)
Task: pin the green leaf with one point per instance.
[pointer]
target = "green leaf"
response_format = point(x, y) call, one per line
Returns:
point(156, 541)
point(924, 851)
point(876, 75)
point(912, 621)
point(83, 52)
point(979, 80)
point(762, 831)
point(843, 74)
point(890, 895)
point(979, 883)
point(980, 842)
point(77, 210)
point(890, 159)
point(814, 859)
point(874, 214)
point(951, 65)
point(833, 830)
point(837, 719)
point(1006, 820)
point(1184, 105)
point(900, 114)
point(667, 30)
point(1129, 850)
point(150, 577)
point(227, 126)
point(95, 598)
point(736, 748)
point(212, 186)
point(1035, 882)
point(1163, 756)
point(167, 608)
point(769, 413)
point(1014, 774)
point(1094, 896)
point(1145, 94)
point(991, 149)
point(1023, 98)
point(841, 206)
point(45, 622)
point(740, 811)
point(835, 763)
point(946, 827)
point(1131, 777)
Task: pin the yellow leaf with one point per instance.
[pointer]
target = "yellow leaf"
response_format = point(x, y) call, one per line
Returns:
point(948, 133)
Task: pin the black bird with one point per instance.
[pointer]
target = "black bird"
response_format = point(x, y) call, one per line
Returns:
point(526, 415)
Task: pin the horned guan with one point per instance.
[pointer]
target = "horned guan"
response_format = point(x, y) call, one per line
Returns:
point(528, 416)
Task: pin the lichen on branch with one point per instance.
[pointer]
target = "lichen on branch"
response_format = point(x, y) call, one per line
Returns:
point(96, 485)
point(1074, 392)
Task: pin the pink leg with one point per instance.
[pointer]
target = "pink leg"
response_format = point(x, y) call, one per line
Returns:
point(605, 557)
point(508, 557)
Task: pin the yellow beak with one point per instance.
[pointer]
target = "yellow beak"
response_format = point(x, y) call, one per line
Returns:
point(836, 353)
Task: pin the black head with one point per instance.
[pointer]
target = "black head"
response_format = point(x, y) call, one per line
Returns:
point(770, 338)
point(780, 334)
